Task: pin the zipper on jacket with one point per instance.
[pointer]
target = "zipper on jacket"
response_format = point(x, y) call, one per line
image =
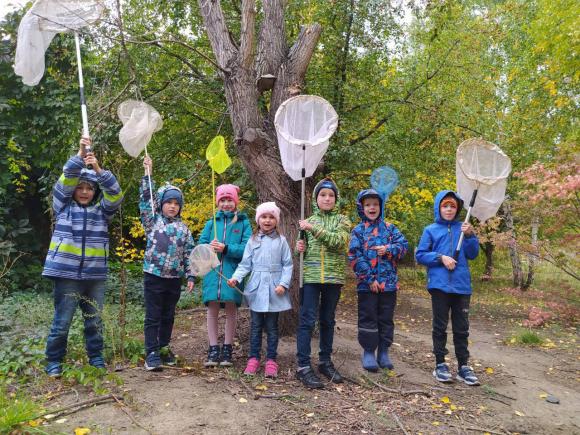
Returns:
point(321, 264)
point(57, 248)
point(84, 240)
point(105, 253)
point(219, 292)
point(451, 251)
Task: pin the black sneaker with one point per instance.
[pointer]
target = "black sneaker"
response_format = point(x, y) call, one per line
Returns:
point(54, 369)
point(97, 362)
point(167, 356)
point(153, 362)
point(213, 356)
point(309, 378)
point(226, 357)
point(327, 369)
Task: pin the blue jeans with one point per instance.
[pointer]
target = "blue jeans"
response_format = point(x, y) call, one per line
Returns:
point(313, 297)
point(68, 294)
point(269, 323)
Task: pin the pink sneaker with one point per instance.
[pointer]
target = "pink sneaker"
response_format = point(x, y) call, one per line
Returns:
point(271, 369)
point(252, 367)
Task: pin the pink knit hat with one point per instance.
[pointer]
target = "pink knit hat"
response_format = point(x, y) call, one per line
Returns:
point(268, 207)
point(227, 191)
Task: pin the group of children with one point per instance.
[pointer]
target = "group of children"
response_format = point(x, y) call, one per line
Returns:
point(77, 263)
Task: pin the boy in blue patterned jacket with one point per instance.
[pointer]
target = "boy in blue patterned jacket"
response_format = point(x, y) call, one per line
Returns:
point(375, 248)
point(83, 202)
point(166, 261)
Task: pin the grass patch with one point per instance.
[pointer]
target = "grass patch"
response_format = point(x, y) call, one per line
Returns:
point(16, 409)
point(526, 338)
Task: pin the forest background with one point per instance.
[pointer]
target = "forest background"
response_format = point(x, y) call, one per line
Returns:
point(410, 80)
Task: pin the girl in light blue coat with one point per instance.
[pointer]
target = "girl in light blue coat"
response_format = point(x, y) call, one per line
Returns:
point(269, 259)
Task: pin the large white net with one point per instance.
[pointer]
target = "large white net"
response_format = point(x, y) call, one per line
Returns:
point(483, 166)
point(202, 260)
point(304, 120)
point(41, 23)
point(140, 121)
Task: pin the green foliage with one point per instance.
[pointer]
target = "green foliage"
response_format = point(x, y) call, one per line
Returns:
point(22, 357)
point(526, 337)
point(88, 376)
point(15, 409)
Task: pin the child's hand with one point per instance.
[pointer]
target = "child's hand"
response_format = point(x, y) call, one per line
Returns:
point(148, 165)
point(83, 144)
point(381, 250)
point(301, 246)
point(375, 288)
point(305, 225)
point(190, 285)
point(279, 290)
point(90, 159)
point(232, 282)
point(467, 228)
point(217, 246)
point(448, 262)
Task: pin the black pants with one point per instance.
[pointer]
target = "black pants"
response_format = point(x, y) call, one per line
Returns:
point(375, 319)
point(161, 297)
point(442, 303)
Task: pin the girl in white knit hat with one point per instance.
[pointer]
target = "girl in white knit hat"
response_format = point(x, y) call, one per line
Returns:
point(268, 258)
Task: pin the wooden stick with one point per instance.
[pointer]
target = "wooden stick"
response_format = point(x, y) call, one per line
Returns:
point(250, 392)
point(399, 423)
point(122, 407)
point(400, 391)
point(476, 429)
point(78, 405)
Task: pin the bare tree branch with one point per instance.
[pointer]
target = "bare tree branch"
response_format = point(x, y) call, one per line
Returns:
point(217, 31)
point(247, 33)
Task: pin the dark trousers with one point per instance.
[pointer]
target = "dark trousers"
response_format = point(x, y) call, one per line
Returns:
point(316, 300)
point(69, 294)
point(442, 303)
point(161, 297)
point(375, 319)
point(264, 322)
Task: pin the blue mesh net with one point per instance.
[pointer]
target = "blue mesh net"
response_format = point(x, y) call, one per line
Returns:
point(384, 180)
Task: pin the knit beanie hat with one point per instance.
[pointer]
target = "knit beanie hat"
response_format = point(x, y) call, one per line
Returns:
point(268, 207)
point(449, 200)
point(89, 176)
point(326, 183)
point(172, 194)
point(227, 191)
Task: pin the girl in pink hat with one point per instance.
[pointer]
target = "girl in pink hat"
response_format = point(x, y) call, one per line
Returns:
point(268, 260)
point(227, 234)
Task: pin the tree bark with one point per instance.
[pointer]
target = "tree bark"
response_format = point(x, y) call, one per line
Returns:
point(254, 130)
point(513, 245)
point(533, 255)
point(488, 248)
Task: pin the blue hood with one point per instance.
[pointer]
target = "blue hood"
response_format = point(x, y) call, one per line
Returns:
point(437, 205)
point(363, 194)
point(90, 176)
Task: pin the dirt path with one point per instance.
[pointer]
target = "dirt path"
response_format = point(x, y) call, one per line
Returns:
point(510, 400)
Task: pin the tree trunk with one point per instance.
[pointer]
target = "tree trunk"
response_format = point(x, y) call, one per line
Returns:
point(254, 130)
point(533, 255)
point(488, 248)
point(513, 246)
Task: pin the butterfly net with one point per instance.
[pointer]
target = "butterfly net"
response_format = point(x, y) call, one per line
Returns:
point(140, 121)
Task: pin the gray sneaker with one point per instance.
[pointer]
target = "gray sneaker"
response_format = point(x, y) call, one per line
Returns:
point(467, 375)
point(442, 373)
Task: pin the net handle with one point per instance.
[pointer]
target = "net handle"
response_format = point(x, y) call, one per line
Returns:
point(467, 216)
point(84, 114)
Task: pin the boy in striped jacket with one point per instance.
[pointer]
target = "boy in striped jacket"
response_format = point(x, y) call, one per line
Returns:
point(83, 202)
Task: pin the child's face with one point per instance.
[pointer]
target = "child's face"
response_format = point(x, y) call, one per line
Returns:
point(84, 193)
point(448, 210)
point(226, 204)
point(372, 208)
point(267, 222)
point(170, 208)
point(326, 199)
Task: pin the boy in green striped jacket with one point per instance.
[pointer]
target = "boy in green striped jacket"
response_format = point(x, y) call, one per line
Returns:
point(326, 238)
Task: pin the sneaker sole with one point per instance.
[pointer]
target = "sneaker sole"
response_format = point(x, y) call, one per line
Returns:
point(153, 369)
point(459, 378)
point(54, 375)
point(226, 364)
point(210, 364)
point(445, 381)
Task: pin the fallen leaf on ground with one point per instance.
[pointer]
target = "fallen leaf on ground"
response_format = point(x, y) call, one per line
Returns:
point(82, 431)
point(60, 420)
point(261, 387)
point(242, 400)
point(519, 413)
point(489, 370)
point(311, 414)
point(543, 395)
point(445, 399)
point(435, 423)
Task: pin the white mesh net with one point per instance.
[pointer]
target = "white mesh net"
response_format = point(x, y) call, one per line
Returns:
point(140, 121)
point(304, 120)
point(45, 19)
point(202, 260)
point(484, 166)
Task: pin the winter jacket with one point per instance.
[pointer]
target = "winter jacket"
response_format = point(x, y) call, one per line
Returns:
point(368, 266)
point(269, 259)
point(169, 240)
point(440, 238)
point(324, 258)
point(234, 235)
point(79, 246)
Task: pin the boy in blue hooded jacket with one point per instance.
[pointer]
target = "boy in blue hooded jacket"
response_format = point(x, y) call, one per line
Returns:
point(166, 262)
point(449, 283)
point(374, 251)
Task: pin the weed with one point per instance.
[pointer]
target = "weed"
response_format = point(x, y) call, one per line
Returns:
point(92, 377)
point(15, 409)
point(526, 337)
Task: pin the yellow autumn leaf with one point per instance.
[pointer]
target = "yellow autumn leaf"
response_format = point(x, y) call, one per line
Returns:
point(33, 423)
point(435, 423)
point(311, 414)
point(448, 412)
point(261, 387)
point(452, 407)
point(489, 370)
point(242, 400)
point(391, 373)
point(519, 413)
point(543, 396)
point(445, 399)
point(436, 406)
point(82, 431)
